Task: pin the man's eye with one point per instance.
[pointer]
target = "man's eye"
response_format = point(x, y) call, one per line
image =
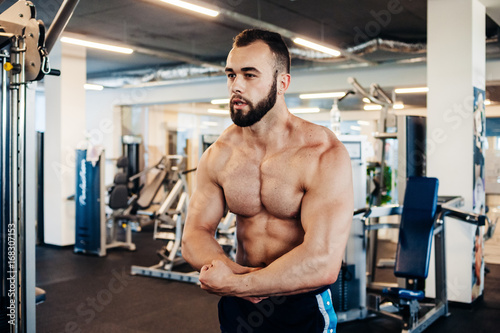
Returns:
point(231, 76)
point(250, 75)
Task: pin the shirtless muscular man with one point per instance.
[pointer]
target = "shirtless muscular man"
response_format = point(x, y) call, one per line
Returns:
point(289, 183)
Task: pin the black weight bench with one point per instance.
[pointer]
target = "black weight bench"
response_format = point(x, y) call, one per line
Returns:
point(418, 227)
point(422, 221)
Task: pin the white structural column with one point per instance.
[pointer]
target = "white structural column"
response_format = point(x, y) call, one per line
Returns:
point(455, 68)
point(65, 132)
point(455, 65)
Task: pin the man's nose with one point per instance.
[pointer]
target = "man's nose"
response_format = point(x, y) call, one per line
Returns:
point(238, 85)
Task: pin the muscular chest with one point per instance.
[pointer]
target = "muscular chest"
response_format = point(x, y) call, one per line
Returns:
point(272, 184)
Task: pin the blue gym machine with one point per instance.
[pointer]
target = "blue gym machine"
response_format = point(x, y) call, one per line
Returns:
point(90, 232)
point(95, 230)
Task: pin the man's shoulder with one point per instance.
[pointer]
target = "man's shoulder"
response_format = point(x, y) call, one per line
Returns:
point(221, 149)
point(227, 140)
point(321, 148)
point(318, 138)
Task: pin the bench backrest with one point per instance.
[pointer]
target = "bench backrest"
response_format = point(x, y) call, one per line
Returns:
point(416, 229)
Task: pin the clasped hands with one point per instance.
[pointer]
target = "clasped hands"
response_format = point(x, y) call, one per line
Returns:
point(218, 278)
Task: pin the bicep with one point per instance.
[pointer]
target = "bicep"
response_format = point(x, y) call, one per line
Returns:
point(327, 205)
point(207, 204)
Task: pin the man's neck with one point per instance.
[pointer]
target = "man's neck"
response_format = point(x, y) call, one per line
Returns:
point(272, 130)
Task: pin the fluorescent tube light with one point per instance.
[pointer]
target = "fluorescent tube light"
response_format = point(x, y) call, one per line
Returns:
point(487, 102)
point(411, 90)
point(317, 47)
point(363, 123)
point(323, 95)
point(218, 111)
point(210, 123)
point(372, 107)
point(89, 86)
point(356, 128)
point(366, 100)
point(304, 110)
point(192, 7)
point(220, 101)
point(398, 106)
point(94, 45)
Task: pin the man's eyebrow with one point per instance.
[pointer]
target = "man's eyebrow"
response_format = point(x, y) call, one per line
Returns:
point(250, 69)
point(244, 69)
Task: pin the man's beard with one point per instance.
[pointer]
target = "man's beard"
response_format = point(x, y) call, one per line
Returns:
point(255, 113)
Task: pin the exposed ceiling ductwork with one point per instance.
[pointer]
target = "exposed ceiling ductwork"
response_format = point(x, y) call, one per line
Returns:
point(414, 52)
point(387, 45)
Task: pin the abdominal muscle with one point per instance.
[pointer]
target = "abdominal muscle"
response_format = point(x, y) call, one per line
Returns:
point(264, 238)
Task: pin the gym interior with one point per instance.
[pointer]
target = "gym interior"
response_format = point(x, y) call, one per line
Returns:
point(108, 106)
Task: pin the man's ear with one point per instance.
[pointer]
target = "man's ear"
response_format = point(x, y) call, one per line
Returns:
point(283, 82)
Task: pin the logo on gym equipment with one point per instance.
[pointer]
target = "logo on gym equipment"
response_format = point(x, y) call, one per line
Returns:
point(83, 183)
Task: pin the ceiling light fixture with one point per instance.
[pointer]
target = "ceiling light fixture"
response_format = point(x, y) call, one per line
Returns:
point(95, 45)
point(218, 111)
point(210, 123)
point(487, 102)
point(323, 95)
point(372, 107)
point(304, 110)
point(192, 7)
point(89, 86)
point(317, 47)
point(366, 100)
point(411, 90)
point(398, 106)
point(220, 101)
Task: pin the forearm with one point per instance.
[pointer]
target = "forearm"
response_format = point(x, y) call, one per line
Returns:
point(298, 271)
point(200, 248)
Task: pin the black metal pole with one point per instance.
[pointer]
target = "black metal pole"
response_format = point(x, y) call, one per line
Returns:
point(59, 23)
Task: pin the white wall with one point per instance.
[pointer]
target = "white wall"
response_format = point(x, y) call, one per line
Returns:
point(65, 131)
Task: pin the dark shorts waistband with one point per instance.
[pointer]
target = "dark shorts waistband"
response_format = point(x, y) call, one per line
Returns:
point(309, 293)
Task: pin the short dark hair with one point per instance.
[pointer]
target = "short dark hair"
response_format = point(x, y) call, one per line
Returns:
point(272, 39)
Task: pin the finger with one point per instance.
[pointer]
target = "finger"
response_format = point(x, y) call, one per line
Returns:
point(205, 286)
point(254, 300)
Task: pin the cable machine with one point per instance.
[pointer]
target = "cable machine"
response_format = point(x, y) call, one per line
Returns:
point(24, 49)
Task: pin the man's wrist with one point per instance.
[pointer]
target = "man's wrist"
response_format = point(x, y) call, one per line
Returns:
point(242, 284)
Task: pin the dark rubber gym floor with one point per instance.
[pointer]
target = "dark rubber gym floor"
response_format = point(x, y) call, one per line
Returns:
point(92, 294)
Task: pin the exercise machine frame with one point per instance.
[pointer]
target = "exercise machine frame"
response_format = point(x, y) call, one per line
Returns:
point(169, 224)
point(24, 48)
point(412, 323)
